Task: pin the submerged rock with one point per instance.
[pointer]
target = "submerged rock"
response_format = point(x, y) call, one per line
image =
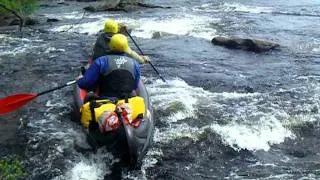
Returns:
point(6, 20)
point(12, 21)
point(156, 35)
point(103, 6)
point(121, 5)
point(245, 44)
point(52, 20)
point(28, 21)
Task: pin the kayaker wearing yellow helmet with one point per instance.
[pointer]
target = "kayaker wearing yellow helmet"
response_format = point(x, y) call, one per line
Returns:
point(102, 48)
point(115, 75)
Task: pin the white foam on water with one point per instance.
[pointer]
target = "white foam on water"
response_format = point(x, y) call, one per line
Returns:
point(90, 28)
point(249, 128)
point(176, 97)
point(49, 103)
point(6, 38)
point(252, 129)
point(53, 49)
point(253, 137)
point(245, 8)
point(258, 163)
point(15, 51)
point(51, 128)
point(87, 171)
point(310, 176)
point(317, 49)
point(281, 176)
point(176, 131)
point(308, 46)
point(189, 25)
point(92, 168)
point(232, 95)
point(151, 158)
point(65, 137)
point(180, 101)
point(18, 50)
point(25, 45)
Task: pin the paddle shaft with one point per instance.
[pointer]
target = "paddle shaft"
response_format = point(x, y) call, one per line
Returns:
point(154, 68)
point(56, 88)
point(14, 102)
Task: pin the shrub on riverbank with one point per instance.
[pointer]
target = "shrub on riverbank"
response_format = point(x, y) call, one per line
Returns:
point(23, 8)
point(11, 10)
point(11, 169)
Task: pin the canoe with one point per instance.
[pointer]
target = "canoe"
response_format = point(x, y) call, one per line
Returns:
point(129, 143)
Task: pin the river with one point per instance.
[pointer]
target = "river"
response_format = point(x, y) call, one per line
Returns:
point(224, 114)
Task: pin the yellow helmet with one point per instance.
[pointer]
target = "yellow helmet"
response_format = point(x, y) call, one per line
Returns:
point(119, 43)
point(110, 26)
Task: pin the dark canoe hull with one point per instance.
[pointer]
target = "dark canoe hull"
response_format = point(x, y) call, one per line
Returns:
point(130, 143)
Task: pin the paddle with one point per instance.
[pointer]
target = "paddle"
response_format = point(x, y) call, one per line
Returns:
point(13, 102)
point(143, 55)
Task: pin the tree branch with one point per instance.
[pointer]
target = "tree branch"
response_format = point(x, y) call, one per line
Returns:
point(15, 14)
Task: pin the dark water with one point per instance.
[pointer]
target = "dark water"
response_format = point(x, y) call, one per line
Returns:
point(224, 114)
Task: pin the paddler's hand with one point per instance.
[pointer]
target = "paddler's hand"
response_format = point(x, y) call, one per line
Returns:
point(146, 59)
point(79, 77)
point(123, 29)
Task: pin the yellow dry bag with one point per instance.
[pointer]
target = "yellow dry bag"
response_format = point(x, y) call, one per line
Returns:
point(136, 105)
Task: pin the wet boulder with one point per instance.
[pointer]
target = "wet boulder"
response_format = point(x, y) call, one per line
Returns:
point(31, 21)
point(52, 20)
point(7, 20)
point(27, 21)
point(105, 6)
point(13, 20)
point(121, 5)
point(160, 34)
point(156, 35)
point(244, 43)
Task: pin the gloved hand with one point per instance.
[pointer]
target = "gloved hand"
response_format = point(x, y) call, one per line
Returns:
point(146, 59)
point(123, 29)
point(79, 77)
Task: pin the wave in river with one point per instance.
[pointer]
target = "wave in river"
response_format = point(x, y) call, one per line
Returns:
point(245, 8)
point(190, 25)
point(13, 46)
point(248, 128)
point(301, 10)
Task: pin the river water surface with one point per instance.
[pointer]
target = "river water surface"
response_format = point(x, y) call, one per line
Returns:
point(224, 114)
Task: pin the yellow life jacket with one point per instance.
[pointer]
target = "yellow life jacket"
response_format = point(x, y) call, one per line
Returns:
point(136, 104)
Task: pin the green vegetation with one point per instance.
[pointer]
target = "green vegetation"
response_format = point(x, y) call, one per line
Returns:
point(11, 169)
point(22, 8)
point(18, 8)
